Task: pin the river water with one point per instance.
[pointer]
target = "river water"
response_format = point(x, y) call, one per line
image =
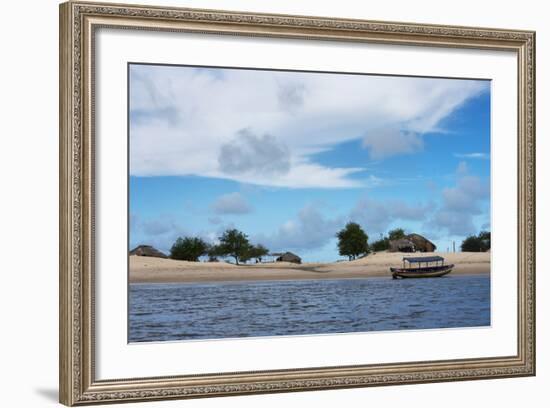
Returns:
point(161, 312)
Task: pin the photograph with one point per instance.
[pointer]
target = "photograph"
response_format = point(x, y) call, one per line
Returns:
point(265, 202)
point(279, 200)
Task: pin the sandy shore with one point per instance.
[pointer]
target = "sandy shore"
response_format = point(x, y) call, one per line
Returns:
point(158, 270)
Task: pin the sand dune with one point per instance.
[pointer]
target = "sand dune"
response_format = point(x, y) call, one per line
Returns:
point(150, 270)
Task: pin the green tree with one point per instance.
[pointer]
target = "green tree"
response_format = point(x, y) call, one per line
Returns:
point(381, 245)
point(352, 240)
point(397, 233)
point(188, 249)
point(257, 252)
point(477, 243)
point(234, 243)
point(470, 244)
point(213, 253)
point(484, 240)
point(245, 256)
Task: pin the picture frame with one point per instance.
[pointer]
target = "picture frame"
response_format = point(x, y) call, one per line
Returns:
point(79, 23)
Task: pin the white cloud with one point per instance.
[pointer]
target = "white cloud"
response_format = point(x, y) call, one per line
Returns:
point(376, 216)
point(160, 232)
point(159, 226)
point(467, 193)
point(291, 96)
point(461, 203)
point(310, 229)
point(182, 119)
point(232, 203)
point(475, 155)
point(249, 153)
point(391, 142)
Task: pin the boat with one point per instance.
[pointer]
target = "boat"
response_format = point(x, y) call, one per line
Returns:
point(422, 267)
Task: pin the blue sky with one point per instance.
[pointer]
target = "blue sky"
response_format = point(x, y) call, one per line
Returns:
point(290, 157)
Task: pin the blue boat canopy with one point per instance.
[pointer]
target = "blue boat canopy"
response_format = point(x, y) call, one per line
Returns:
point(424, 259)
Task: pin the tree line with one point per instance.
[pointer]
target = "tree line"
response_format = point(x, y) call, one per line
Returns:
point(352, 242)
point(232, 243)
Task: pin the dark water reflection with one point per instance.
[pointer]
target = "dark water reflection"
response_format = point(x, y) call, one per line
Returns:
point(160, 312)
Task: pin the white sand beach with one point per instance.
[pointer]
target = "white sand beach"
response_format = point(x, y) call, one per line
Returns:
point(158, 270)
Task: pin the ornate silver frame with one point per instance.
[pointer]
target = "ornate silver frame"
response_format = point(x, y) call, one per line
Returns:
point(78, 22)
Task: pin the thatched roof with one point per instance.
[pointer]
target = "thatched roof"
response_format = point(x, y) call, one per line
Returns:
point(289, 257)
point(421, 243)
point(147, 250)
point(401, 245)
point(412, 243)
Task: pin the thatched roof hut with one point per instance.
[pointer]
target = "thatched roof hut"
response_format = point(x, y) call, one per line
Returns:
point(147, 250)
point(401, 245)
point(421, 244)
point(289, 257)
point(412, 243)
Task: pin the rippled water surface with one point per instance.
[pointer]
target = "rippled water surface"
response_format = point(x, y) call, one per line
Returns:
point(160, 312)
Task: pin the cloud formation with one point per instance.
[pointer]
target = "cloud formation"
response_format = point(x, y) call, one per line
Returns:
point(377, 216)
point(291, 96)
point(453, 211)
point(466, 195)
point(391, 142)
point(252, 154)
point(310, 229)
point(232, 203)
point(190, 121)
point(461, 203)
point(158, 226)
